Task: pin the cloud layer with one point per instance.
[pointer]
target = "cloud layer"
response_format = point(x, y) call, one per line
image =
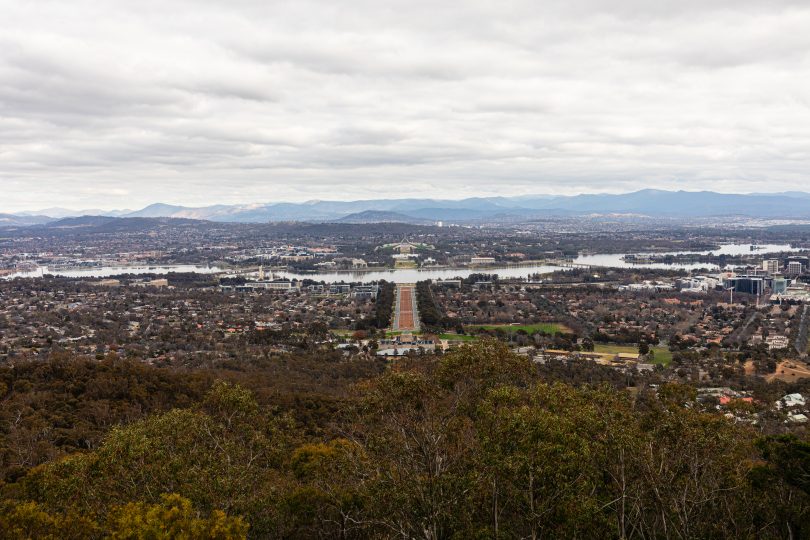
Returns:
point(120, 104)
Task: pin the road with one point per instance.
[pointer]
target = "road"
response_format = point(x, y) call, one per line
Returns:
point(406, 316)
point(804, 332)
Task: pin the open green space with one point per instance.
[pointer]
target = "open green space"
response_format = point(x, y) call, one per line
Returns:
point(549, 328)
point(662, 355)
point(392, 333)
point(342, 331)
point(611, 348)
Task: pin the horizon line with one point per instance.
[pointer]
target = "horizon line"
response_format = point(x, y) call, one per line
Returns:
point(36, 212)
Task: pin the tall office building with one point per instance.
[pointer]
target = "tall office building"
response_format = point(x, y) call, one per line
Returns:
point(794, 267)
point(771, 266)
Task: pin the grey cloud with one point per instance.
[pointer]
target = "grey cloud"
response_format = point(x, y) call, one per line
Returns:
point(118, 104)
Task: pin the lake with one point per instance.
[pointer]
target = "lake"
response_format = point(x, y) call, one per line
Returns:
point(614, 260)
point(107, 271)
point(412, 275)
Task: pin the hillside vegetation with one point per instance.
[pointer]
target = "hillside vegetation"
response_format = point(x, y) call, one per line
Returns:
point(474, 444)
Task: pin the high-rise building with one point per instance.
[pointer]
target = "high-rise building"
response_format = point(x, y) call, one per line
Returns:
point(794, 267)
point(772, 266)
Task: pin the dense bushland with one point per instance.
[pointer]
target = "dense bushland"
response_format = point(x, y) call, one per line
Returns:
point(473, 444)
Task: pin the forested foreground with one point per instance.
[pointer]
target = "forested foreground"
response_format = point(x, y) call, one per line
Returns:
point(470, 445)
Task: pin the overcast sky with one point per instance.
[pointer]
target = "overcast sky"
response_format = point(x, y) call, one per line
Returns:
point(113, 104)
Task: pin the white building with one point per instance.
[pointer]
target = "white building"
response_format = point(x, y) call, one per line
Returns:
point(777, 342)
point(261, 285)
point(649, 286)
point(771, 266)
point(791, 400)
point(698, 284)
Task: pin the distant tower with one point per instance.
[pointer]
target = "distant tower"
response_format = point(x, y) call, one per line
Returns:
point(261, 272)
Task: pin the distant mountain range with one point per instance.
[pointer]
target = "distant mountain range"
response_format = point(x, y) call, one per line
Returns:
point(19, 220)
point(376, 216)
point(649, 202)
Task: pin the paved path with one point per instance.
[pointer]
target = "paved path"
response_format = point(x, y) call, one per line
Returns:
point(406, 316)
point(804, 330)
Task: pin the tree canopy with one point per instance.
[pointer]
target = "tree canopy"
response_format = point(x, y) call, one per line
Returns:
point(473, 444)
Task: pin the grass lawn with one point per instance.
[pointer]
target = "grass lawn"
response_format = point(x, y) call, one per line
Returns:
point(549, 328)
point(661, 355)
point(610, 348)
point(342, 332)
point(392, 333)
